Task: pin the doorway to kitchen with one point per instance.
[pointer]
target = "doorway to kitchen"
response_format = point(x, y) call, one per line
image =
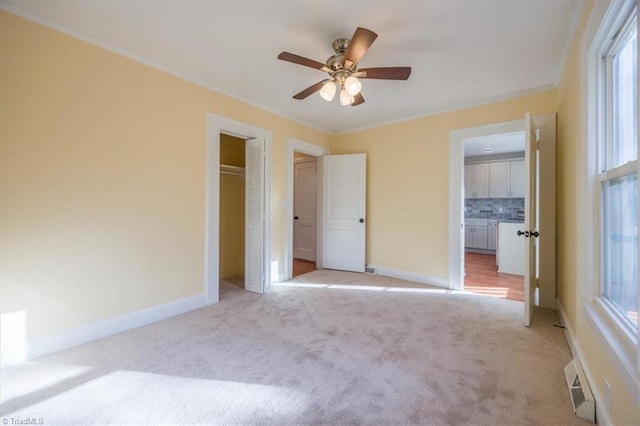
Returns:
point(494, 201)
point(540, 208)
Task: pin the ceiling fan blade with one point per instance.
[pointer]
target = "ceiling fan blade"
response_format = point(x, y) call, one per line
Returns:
point(386, 73)
point(296, 59)
point(357, 100)
point(310, 90)
point(360, 42)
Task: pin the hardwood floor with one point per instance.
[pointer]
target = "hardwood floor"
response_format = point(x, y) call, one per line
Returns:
point(482, 277)
point(301, 266)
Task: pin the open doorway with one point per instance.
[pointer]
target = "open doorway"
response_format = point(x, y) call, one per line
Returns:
point(494, 206)
point(539, 218)
point(303, 256)
point(341, 208)
point(232, 210)
point(256, 218)
point(305, 213)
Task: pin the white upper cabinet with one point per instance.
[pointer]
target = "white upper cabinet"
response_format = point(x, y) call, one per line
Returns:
point(476, 180)
point(468, 181)
point(499, 180)
point(517, 178)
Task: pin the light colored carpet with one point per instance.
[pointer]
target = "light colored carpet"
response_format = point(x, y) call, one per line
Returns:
point(330, 354)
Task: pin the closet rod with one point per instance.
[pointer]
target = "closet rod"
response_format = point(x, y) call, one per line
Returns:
point(231, 170)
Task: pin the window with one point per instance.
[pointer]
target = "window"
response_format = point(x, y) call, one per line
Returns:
point(607, 241)
point(618, 177)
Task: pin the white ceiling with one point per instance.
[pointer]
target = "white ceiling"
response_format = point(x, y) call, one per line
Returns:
point(462, 52)
point(498, 144)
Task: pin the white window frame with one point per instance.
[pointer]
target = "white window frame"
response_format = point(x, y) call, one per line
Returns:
point(608, 172)
point(606, 18)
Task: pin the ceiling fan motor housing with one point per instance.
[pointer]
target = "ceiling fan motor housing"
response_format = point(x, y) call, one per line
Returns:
point(336, 62)
point(340, 45)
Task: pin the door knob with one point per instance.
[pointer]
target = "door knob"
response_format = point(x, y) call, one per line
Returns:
point(295, 217)
point(361, 220)
point(535, 234)
point(525, 233)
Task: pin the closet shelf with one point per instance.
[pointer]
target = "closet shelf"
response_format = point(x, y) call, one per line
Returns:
point(231, 170)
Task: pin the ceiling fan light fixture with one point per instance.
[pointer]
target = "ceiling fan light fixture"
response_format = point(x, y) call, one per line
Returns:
point(345, 98)
point(352, 85)
point(328, 91)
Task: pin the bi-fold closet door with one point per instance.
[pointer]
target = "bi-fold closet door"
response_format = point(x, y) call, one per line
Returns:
point(254, 262)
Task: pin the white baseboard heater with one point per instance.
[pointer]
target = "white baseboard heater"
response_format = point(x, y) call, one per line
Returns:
point(581, 397)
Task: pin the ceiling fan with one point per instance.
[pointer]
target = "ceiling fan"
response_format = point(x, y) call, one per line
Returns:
point(343, 70)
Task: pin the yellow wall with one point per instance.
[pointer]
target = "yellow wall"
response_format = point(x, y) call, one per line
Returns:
point(597, 358)
point(567, 160)
point(231, 209)
point(103, 179)
point(408, 185)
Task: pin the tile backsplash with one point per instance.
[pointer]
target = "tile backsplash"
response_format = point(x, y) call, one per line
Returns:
point(494, 208)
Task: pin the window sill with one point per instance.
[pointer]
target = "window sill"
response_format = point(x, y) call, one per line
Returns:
point(619, 341)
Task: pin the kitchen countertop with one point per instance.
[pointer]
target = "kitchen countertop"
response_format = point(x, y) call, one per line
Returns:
point(499, 219)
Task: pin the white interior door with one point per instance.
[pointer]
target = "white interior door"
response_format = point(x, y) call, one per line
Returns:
point(530, 217)
point(254, 216)
point(343, 212)
point(305, 177)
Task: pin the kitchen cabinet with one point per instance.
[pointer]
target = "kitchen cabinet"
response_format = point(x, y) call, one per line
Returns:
point(511, 249)
point(492, 234)
point(499, 179)
point(476, 234)
point(506, 179)
point(476, 180)
point(517, 178)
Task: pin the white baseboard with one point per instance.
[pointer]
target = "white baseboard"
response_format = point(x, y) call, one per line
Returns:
point(602, 415)
point(86, 333)
point(411, 276)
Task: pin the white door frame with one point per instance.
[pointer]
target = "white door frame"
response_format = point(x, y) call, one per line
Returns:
point(457, 139)
point(217, 124)
point(546, 206)
point(315, 151)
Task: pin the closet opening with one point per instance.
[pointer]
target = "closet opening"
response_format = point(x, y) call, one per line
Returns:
point(232, 213)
